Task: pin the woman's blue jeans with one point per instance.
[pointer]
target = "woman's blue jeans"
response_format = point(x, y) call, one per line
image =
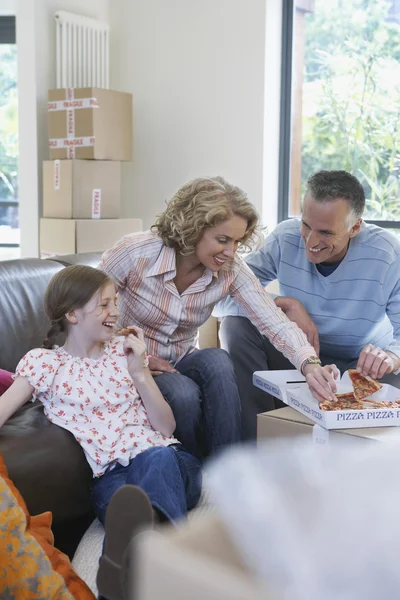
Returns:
point(205, 401)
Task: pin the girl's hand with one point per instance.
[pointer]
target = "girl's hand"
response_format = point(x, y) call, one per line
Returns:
point(135, 350)
point(322, 381)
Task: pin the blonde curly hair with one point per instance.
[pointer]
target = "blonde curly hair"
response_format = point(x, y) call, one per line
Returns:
point(200, 204)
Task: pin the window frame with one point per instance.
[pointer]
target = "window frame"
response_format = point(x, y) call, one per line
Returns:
point(285, 126)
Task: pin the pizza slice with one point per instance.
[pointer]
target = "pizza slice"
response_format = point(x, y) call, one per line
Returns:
point(363, 386)
point(383, 403)
point(344, 402)
point(125, 331)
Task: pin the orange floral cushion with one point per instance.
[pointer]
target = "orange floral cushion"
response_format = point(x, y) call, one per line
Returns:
point(30, 566)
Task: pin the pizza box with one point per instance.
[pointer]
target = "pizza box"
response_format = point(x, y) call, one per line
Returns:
point(291, 388)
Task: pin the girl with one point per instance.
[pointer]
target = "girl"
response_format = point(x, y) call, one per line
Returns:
point(99, 387)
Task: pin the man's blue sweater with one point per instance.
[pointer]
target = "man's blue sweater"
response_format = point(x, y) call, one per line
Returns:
point(357, 304)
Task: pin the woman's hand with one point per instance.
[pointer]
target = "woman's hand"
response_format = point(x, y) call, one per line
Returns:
point(158, 366)
point(135, 350)
point(322, 381)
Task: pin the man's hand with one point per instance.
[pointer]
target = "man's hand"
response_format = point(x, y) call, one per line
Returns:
point(376, 363)
point(158, 366)
point(321, 381)
point(295, 311)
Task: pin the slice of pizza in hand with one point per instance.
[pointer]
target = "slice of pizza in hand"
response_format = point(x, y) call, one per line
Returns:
point(126, 331)
point(363, 386)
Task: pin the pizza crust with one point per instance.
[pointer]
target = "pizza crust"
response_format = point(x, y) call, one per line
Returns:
point(125, 332)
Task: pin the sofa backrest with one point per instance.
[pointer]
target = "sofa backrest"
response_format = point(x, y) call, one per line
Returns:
point(23, 323)
point(23, 282)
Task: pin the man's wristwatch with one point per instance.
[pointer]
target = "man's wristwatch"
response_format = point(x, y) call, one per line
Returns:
point(311, 360)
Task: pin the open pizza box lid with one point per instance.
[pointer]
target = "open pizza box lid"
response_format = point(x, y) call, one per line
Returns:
point(291, 388)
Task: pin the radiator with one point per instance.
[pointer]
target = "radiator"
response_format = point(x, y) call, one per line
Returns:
point(82, 58)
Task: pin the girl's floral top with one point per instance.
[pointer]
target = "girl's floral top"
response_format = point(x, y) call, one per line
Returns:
point(96, 400)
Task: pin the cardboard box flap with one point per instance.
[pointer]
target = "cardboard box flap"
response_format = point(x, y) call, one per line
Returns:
point(278, 383)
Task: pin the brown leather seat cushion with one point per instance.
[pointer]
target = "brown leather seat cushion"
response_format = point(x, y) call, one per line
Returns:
point(46, 463)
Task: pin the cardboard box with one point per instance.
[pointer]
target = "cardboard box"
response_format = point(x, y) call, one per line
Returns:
point(197, 561)
point(208, 334)
point(90, 123)
point(291, 388)
point(289, 423)
point(82, 189)
point(70, 236)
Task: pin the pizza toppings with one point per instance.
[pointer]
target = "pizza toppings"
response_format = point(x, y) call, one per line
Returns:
point(342, 404)
point(363, 386)
point(357, 399)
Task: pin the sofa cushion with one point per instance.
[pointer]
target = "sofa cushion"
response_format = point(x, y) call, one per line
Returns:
point(23, 320)
point(31, 568)
point(47, 464)
point(26, 571)
point(5, 380)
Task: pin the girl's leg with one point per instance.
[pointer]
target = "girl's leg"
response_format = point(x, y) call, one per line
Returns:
point(128, 511)
point(167, 479)
point(171, 478)
point(190, 470)
point(105, 487)
point(212, 370)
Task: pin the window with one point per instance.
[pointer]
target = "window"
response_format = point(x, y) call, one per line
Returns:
point(341, 96)
point(9, 225)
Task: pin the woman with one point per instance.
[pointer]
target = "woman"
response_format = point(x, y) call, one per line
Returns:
point(170, 279)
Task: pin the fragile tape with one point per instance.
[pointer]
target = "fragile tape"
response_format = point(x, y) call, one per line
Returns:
point(96, 203)
point(70, 104)
point(71, 143)
point(56, 105)
point(56, 174)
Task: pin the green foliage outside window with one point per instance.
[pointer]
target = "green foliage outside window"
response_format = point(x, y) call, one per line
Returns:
point(351, 97)
point(8, 123)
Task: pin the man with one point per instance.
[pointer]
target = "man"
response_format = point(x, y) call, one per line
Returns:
point(340, 282)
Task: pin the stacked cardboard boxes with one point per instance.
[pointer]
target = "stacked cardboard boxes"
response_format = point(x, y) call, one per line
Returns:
point(90, 133)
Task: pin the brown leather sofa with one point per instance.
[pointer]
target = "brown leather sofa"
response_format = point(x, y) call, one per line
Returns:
point(44, 461)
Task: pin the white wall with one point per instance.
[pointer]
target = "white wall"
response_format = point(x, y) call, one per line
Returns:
point(197, 74)
point(36, 74)
point(7, 7)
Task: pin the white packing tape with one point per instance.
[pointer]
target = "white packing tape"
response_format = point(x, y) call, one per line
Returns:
point(70, 104)
point(57, 105)
point(71, 144)
point(70, 115)
point(320, 435)
point(96, 203)
point(56, 174)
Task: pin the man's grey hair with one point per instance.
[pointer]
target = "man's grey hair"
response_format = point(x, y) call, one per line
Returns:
point(326, 186)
